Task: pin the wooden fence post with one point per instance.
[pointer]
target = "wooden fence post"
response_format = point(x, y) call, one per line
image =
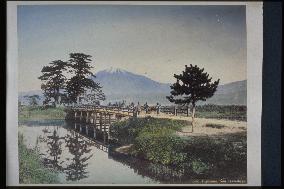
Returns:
point(187, 111)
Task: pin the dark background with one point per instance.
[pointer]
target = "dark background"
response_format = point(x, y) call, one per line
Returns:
point(271, 99)
point(272, 90)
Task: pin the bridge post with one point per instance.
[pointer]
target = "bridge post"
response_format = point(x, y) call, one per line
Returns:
point(94, 132)
point(80, 128)
point(91, 117)
point(104, 137)
point(104, 121)
point(75, 115)
point(187, 111)
point(109, 121)
point(101, 120)
point(87, 116)
point(81, 116)
point(95, 119)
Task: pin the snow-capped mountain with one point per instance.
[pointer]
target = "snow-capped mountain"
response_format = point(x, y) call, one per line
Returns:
point(119, 81)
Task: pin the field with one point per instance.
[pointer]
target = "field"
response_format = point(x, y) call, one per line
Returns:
point(40, 113)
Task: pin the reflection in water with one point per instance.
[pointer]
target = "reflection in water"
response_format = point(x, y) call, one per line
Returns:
point(69, 147)
point(54, 151)
point(78, 147)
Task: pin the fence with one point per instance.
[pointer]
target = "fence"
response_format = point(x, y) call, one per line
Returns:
point(173, 110)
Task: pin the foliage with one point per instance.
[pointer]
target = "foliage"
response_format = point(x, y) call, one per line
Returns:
point(227, 153)
point(32, 99)
point(94, 96)
point(40, 113)
point(57, 88)
point(161, 148)
point(127, 131)
point(80, 67)
point(155, 140)
point(196, 85)
point(152, 138)
point(53, 80)
point(233, 112)
point(31, 169)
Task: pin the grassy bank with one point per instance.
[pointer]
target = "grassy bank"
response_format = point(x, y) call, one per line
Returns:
point(31, 169)
point(231, 112)
point(40, 113)
point(155, 140)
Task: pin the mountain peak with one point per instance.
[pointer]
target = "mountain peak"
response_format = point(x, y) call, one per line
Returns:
point(114, 70)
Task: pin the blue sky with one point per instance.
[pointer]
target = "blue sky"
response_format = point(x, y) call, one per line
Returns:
point(151, 40)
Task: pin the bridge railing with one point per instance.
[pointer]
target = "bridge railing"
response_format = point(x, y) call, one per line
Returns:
point(128, 110)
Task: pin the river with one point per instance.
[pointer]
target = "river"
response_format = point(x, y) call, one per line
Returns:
point(84, 160)
point(84, 157)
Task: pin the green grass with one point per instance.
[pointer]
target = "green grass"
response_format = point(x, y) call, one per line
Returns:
point(232, 112)
point(40, 113)
point(31, 169)
point(127, 131)
point(154, 139)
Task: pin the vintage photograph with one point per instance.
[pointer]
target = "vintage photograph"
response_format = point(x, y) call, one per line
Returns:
point(132, 94)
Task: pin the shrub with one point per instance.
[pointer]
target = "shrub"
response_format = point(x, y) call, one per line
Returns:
point(31, 169)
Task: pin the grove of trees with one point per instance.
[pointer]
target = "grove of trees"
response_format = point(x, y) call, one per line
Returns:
point(65, 81)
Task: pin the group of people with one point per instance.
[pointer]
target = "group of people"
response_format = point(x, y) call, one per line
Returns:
point(138, 108)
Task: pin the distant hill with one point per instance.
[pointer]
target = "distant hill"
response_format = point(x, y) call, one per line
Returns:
point(234, 93)
point(119, 84)
point(25, 101)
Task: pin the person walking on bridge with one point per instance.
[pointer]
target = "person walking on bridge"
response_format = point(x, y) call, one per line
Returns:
point(158, 108)
point(138, 108)
point(146, 107)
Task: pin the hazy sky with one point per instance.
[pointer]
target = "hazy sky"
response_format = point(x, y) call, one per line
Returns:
point(152, 40)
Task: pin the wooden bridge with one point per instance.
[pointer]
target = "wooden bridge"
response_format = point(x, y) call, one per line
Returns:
point(98, 117)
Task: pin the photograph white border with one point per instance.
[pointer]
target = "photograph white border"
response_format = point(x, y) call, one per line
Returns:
point(254, 19)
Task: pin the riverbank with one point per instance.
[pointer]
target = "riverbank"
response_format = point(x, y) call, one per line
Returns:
point(40, 113)
point(162, 140)
point(31, 169)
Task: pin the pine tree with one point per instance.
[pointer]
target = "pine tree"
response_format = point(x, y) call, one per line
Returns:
point(81, 81)
point(53, 80)
point(191, 86)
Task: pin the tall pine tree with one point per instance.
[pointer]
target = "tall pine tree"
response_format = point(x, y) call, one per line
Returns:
point(191, 86)
point(81, 81)
point(53, 80)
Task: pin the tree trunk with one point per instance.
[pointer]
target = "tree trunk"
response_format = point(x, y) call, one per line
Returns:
point(192, 115)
